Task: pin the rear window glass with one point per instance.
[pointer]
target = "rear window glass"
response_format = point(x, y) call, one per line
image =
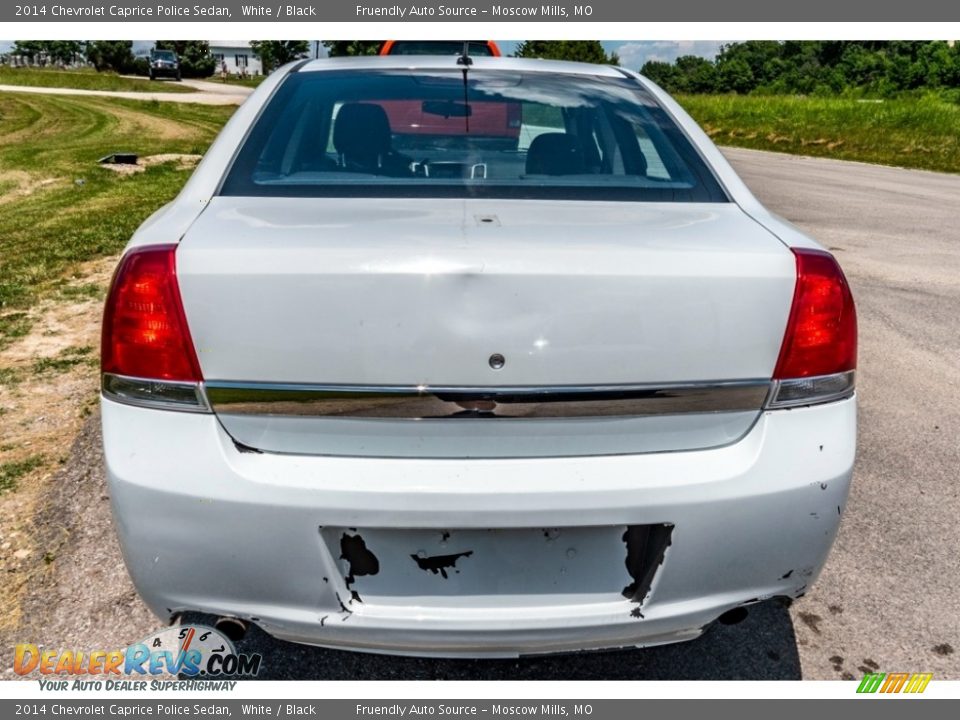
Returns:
point(495, 134)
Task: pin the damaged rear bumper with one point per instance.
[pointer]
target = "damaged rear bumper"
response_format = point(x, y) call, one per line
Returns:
point(495, 557)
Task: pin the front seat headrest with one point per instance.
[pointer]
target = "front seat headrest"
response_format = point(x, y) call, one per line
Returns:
point(361, 134)
point(555, 154)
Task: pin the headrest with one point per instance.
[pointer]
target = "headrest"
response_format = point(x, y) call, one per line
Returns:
point(361, 129)
point(555, 154)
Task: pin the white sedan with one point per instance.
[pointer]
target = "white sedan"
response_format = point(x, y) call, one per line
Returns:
point(473, 357)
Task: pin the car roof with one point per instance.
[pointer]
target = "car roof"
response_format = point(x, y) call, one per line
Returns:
point(449, 62)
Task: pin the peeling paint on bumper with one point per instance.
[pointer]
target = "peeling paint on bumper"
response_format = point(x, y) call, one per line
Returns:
point(205, 527)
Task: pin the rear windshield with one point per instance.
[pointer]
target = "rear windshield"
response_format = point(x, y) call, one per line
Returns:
point(493, 134)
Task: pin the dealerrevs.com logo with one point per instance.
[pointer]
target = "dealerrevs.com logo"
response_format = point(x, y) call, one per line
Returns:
point(190, 651)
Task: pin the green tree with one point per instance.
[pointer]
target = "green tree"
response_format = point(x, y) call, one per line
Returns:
point(736, 76)
point(590, 51)
point(816, 67)
point(662, 73)
point(64, 52)
point(115, 55)
point(341, 48)
point(274, 53)
point(952, 76)
point(743, 66)
point(937, 62)
point(195, 58)
point(30, 49)
point(696, 74)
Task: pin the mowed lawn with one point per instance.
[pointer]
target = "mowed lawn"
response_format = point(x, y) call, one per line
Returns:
point(58, 207)
point(914, 132)
point(84, 79)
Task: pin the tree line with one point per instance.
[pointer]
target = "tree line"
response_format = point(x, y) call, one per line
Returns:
point(829, 67)
point(196, 61)
point(575, 50)
point(115, 55)
point(814, 67)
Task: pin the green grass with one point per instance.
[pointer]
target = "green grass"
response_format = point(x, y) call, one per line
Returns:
point(66, 359)
point(85, 291)
point(89, 211)
point(10, 376)
point(11, 472)
point(84, 80)
point(914, 132)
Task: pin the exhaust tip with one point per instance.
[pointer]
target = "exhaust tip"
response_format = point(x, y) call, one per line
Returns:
point(232, 628)
point(733, 617)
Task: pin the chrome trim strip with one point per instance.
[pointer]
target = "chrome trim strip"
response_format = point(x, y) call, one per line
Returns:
point(156, 394)
point(522, 402)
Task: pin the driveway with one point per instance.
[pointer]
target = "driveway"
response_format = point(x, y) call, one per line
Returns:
point(208, 93)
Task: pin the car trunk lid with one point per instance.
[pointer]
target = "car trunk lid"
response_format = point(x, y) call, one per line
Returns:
point(485, 305)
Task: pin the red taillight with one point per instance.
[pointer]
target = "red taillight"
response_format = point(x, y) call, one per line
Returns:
point(821, 336)
point(145, 332)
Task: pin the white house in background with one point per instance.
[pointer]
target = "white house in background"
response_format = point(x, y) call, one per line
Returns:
point(238, 56)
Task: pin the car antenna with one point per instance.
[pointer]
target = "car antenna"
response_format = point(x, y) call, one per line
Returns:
point(466, 61)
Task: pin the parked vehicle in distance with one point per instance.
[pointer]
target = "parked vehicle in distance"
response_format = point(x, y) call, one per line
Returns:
point(498, 122)
point(482, 48)
point(164, 63)
point(424, 394)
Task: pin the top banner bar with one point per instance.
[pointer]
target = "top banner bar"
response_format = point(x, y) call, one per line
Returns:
point(479, 11)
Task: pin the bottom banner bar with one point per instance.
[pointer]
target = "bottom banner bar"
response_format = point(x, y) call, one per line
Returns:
point(398, 709)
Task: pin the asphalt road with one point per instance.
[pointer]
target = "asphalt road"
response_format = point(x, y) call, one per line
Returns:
point(890, 593)
point(888, 598)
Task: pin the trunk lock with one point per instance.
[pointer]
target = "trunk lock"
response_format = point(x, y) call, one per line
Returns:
point(497, 361)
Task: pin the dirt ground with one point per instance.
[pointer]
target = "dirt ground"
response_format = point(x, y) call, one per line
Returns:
point(49, 391)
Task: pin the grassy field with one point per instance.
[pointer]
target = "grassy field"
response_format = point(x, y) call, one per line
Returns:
point(916, 132)
point(63, 219)
point(84, 80)
point(58, 207)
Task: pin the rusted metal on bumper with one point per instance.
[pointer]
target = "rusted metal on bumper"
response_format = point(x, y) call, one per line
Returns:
point(206, 527)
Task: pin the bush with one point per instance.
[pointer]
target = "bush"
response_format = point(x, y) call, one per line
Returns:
point(819, 67)
point(115, 55)
point(141, 66)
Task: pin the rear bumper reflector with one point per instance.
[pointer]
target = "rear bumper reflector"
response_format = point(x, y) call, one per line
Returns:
point(158, 394)
point(797, 392)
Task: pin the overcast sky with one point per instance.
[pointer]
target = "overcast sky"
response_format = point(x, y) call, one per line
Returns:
point(633, 53)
